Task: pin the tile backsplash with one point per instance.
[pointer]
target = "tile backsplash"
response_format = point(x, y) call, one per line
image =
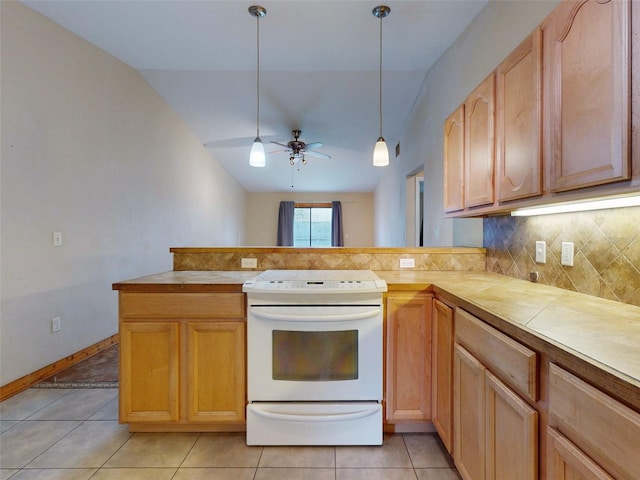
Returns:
point(606, 251)
point(340, 258)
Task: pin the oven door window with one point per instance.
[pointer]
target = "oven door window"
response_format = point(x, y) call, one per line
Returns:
point(315, 356)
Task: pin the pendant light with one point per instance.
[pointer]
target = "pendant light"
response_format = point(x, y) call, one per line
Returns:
point(381, 152)
point(257, 157)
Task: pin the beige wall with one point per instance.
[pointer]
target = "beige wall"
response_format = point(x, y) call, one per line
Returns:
point(492, 35)
point(262, 216)
point(90, 150)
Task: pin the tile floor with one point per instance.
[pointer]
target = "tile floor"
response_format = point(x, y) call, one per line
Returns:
point(75, 435)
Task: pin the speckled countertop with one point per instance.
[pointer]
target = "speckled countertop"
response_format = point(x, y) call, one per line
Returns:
point(188, 281)
point(563, 324)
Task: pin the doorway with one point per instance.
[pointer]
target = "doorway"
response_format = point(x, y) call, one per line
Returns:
point(415, 210)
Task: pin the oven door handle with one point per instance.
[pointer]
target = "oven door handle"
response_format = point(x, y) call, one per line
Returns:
point(322, 317)
point(320, 418)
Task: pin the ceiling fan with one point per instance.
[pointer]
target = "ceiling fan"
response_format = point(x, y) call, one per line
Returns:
point(297, 149)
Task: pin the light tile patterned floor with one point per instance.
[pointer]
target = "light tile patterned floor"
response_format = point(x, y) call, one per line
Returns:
point(75, 435)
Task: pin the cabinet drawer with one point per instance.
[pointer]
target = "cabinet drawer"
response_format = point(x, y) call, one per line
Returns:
point(514, 363)
point(181, 305)
point(603, 428)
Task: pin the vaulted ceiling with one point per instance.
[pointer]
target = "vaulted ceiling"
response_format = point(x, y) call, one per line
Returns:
point(318, 73)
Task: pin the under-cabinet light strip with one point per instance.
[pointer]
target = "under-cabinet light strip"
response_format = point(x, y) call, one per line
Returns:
point(580, 206)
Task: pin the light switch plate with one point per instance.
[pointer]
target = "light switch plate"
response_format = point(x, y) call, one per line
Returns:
point(56, 324)
point(566, 257)
point(56, 239)
point(541, 251)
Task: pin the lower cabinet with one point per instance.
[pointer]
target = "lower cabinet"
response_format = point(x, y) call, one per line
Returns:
point(442, 372)
point(215, 366)
point(511, 435)
point(590, 435)
point(185, 369)
point(408, 359)
point(149, 366)
point(567, 462)
point(495, 429)
point(469, 415)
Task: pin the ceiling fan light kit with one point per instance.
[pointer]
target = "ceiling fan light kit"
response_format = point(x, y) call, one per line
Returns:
point(297, 149)
point(381, 152)
point(257, 156)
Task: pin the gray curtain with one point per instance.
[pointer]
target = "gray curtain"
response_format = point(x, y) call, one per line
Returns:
point(336, 225)
point(285, 224)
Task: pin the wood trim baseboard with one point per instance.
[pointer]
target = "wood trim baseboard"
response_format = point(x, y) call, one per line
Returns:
point(30, 379)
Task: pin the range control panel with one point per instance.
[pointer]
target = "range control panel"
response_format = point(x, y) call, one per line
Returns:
point(320, 281)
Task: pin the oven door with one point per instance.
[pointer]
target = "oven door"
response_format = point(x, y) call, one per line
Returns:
point(314, 353)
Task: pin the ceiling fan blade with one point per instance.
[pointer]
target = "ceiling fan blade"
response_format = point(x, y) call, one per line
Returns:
point(236, 142)
point(281, 144)
point(313, 146)
point(316, 154)
point(280, 151)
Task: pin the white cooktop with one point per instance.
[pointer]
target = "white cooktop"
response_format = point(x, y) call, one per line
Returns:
point(321, 281)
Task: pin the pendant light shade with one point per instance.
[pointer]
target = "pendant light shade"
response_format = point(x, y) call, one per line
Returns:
point(381, 152)
point(257, 157)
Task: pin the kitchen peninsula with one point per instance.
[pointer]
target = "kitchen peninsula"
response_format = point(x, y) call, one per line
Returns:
point(564, 341)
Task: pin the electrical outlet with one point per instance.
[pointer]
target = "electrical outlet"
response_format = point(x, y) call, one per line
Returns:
point(248, 263)
point(541, 251)
point(566, 257)
point(56, 324)
point(407, 263)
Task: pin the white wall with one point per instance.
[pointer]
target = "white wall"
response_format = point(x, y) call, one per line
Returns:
point(91, 150)
point(492, 35)
point(262, 216)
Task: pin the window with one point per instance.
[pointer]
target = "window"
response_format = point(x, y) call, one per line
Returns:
point(312, 225)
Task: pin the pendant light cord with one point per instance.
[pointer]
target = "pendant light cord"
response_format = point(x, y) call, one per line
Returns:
point(258, 76)
point(380, 79)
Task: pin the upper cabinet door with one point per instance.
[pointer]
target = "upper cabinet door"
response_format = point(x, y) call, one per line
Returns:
point(454, 161)
point(519, 121)
point(586, 93)
point(479, 143)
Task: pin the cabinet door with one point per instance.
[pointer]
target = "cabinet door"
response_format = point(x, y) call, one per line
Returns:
point(454, 161)
point(442, 372)
point(604, 429)
point(519, 121)
point(511, 433)
point(216, 388)
point(408, 396)
point(586, 97)
point(479, 144)
point(568, 462)
point(468, 411)
point(149, 355)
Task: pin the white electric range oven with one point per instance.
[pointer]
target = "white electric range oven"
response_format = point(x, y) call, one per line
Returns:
point(314, 350)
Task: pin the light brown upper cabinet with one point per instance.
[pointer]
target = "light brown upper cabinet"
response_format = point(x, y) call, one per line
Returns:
point(479, 144)
point(519, 121)
point(586, 93)
point(454, 161)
